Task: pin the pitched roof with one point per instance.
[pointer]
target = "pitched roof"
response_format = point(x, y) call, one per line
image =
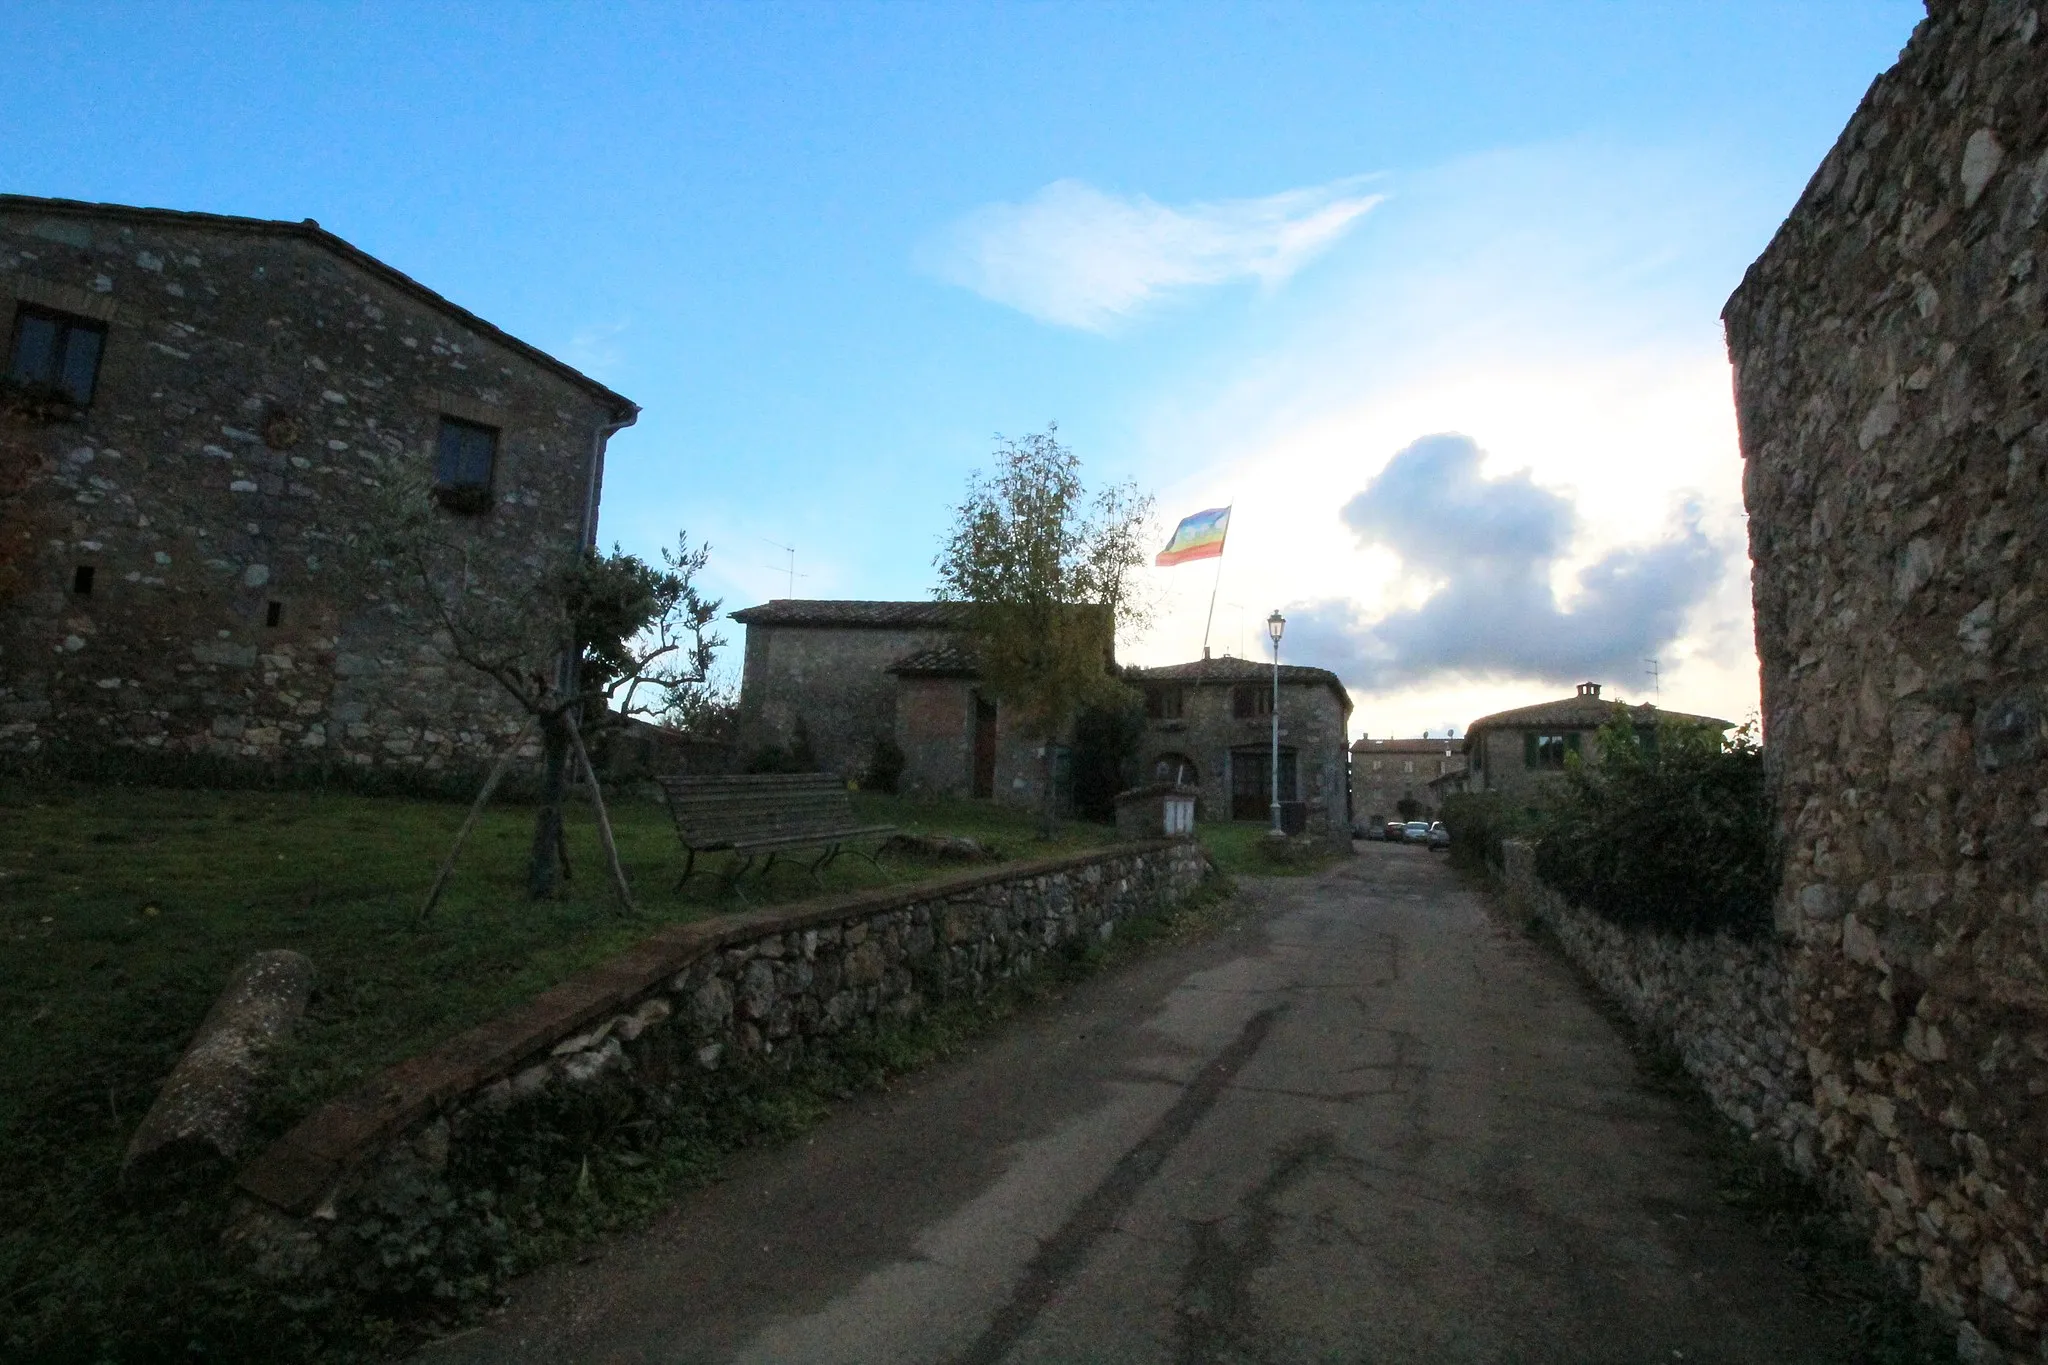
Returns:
point(940, 661)
point(310, 231)
point(1228, 670)
point(1583, 713)
point(799, 611)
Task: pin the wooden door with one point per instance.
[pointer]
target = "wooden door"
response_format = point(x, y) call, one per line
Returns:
point(984, 747)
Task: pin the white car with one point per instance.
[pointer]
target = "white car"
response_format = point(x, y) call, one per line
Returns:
point(1415, 832)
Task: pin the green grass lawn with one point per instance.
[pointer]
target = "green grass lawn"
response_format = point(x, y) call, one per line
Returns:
point(123, 910)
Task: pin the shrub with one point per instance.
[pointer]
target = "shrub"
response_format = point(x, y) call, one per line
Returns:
point(1479, 822)
point(1669, 829)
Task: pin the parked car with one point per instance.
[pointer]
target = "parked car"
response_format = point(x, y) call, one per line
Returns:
point(1361, 829)
point(1416, 832)
point(1395, 832)
point(1439, 837)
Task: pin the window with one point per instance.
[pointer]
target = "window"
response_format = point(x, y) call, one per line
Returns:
point(1547, 751)
point(1164, 703)
point(1251, 700)
point(273, 615)
point(58, 350)
point(1376, 764)
point(465, 456)
point(1408, 765)
point(81, 580)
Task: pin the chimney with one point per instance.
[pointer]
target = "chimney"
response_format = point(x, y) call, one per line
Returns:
point(1589, 689)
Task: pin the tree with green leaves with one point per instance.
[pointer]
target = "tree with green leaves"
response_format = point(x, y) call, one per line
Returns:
point(1048, 576)
point(593, 637)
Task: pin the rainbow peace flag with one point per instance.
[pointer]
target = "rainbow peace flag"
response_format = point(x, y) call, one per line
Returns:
point(1197, 537)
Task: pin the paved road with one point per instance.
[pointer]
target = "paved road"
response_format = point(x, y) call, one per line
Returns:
point(1371, 1123)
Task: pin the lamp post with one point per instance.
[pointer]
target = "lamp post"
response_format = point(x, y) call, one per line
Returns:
point(1275, 624)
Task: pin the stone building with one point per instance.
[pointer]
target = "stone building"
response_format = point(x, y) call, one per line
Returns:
point(1891, 355)
point(1209, 725)
point(1387, 772)
point(195, 410)
point(1514, 753)
point(846, 674)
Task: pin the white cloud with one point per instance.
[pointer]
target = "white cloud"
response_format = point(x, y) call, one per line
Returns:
point(1558, 307)
point(1075, 256)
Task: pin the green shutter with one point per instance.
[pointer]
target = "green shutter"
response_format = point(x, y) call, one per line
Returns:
point(1528, 748)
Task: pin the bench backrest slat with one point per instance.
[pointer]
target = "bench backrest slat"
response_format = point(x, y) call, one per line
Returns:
point(711, 810)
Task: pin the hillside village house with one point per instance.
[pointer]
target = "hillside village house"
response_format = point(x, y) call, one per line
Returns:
point(1387, 772)
point(854, 673)
point(1515, 752)
point(191, 415)
point(1208, 724)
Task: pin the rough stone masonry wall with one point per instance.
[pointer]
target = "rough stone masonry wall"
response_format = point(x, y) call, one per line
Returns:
point(251, 381)
point(1891, 357)
point(699, 996)
point(1724, 1004)
point(1208, 730)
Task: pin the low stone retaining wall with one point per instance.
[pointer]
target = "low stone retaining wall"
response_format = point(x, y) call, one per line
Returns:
point(1725, 1004)
point(695, 996)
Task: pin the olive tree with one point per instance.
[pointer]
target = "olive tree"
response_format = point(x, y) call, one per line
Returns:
point(1048, 577)
point(592, 635)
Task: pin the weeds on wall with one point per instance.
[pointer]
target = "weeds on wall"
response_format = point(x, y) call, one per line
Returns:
point(1667, 829)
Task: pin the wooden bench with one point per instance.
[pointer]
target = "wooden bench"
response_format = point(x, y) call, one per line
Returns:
point(772, 813)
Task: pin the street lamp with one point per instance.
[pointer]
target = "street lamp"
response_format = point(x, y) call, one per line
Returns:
point(1275, 625)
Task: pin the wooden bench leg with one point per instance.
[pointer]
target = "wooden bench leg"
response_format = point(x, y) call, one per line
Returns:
point(737, 869)
point(823, 861)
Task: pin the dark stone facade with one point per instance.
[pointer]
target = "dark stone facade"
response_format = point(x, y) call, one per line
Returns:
point(1209, 726)
point(857, 672)
point(1891, 356)
point(1386, 772)
point(169, 569)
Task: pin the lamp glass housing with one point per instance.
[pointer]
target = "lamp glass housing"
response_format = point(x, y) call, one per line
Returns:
point(1275, 624)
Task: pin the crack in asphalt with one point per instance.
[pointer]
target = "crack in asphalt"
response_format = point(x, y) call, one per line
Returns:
point(1215, 1320)
point(1063, 1254)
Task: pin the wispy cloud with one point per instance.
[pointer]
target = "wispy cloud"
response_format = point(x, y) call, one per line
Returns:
point(1487, 546)
point(1075, 256)
point(594, 348)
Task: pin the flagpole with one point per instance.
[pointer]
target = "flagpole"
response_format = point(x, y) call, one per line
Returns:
point(1218, 584)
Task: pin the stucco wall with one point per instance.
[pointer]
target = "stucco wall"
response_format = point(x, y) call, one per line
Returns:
point(247, 382)
point(1891, 354)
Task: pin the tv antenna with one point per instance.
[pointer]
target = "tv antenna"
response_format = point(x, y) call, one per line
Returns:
point(1656, 682)
point(789, 568)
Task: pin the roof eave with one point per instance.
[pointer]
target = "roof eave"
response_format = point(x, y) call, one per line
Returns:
point(624, 409)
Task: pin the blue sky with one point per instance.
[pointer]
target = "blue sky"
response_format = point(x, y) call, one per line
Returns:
point(1244, 253)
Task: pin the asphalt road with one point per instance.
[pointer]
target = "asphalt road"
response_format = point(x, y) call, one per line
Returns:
point(1371, 1122)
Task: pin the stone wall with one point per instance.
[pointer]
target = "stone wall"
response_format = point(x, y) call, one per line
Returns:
point(254, 377)
point(835, 678)
point(1891, 357)
point(1312, 723)
point(702, 995)
point(1723, 1003)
